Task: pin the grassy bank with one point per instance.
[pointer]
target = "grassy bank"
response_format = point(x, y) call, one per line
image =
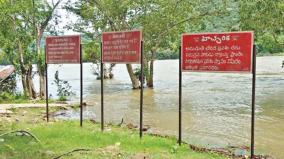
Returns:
point(6, 98)
point(59, 137)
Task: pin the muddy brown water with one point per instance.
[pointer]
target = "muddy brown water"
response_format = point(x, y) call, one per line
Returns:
point(216, 106)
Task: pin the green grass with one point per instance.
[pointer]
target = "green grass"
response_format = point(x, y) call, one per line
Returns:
point(24, 101)
point(19, 99)
point(62, 136)
point(7, 98)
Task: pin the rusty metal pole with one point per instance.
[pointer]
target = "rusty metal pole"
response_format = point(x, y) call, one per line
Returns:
point(141, 91)
point(46, 88)
point(81, 87)
point(253, 101)
point(102, 89)
point(180, 101)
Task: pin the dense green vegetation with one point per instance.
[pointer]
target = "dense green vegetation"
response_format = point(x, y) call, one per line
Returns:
point(59, 137)
point(6, 97)
point(266, 19)
point(167, 54)
point(3, 60)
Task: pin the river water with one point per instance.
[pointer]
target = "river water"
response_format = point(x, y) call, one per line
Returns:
point(216, 106)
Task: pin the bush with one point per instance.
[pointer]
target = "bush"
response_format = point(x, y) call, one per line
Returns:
point(9, 84)
point(6, 97)
point(167, 54)
point(137, 73)
point(63, 87)
point(267, 44)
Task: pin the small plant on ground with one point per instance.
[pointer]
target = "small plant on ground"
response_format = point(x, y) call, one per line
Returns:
point(63, 87)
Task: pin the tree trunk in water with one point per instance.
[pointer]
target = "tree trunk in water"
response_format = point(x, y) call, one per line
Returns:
point(146, 67)
point(110, 71)
point(134, 80)
point(150, 82)
point(105, 72)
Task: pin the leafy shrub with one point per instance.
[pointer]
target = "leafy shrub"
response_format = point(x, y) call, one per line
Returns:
point(63, 87)
point(9, 84)
point(6, 97)
point(267, 44)
point(137, 73)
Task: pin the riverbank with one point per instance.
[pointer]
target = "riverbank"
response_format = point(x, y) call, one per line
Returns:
point(38, 139)
point(216, 107)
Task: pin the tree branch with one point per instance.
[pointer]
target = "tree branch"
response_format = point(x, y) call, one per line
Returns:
point(110, 21)
point(70, 152)
point(22, 131)
point(45, 22)
point(166, 30)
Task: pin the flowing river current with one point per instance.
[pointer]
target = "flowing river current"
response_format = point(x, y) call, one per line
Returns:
point(216, 106)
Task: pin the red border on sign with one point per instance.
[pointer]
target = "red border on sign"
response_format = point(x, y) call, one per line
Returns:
point(78, 61)
point(140, 41)
point(206, 71)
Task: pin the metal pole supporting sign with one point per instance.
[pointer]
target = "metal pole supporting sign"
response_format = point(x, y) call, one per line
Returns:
point(180, 101)
point(123, 47)
point(81, 87)
point(141, 92)
point(102, 90)
point(68, 50)
point(46, 87)
point(195, 60)
point(253, 100)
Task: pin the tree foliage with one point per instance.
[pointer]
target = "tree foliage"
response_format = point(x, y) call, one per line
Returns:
point(266, 19)
point(16, 40)
point(22, 24)
point(162, 22)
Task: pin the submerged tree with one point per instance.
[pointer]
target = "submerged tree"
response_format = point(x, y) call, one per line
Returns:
point(63, 87)
point(162, 23)
point(97, 16)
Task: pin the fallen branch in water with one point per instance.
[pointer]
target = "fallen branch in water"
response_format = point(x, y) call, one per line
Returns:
point(70, 152)
point(23, 132)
